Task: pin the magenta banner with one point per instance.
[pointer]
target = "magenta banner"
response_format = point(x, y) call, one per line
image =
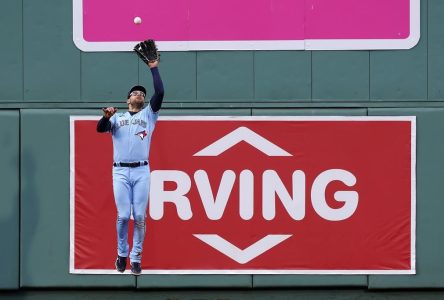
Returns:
point(179, 25)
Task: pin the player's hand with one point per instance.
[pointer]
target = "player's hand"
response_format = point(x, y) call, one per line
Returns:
point(108, 112)
point(153, 63)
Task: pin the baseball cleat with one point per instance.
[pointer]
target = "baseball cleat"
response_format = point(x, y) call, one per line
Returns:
point(136, 269)
point(120, 264)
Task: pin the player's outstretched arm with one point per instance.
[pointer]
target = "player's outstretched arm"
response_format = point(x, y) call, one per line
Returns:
point(148, 53)
point(104, 124)
point(157, 98)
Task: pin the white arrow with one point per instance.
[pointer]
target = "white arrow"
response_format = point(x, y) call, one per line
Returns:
point(249, 253)
point(246, 135)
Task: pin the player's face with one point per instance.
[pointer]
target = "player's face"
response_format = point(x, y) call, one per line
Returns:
point(137, 98)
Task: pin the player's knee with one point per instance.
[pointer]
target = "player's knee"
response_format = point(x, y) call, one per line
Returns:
point(139, 221)
point(139, 225)
point(139, 218)
point(123, 219)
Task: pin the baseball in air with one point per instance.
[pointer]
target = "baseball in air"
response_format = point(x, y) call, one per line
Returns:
point(137, 20)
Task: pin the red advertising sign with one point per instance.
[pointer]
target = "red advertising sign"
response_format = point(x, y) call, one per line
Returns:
point(256, 195)
point(178, 25)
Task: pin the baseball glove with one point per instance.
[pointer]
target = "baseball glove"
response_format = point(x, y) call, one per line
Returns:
point(147, 51)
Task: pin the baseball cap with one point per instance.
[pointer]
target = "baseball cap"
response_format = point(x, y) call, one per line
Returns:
point(137, 88)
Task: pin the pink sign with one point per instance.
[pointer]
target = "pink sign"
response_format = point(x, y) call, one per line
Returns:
point(116, 25)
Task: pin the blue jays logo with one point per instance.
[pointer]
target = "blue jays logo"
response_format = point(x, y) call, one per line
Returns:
point(142, 134)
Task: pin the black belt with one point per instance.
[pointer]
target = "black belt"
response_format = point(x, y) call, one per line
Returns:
point(131, 165)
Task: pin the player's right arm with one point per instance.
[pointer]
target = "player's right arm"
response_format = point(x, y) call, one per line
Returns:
point(104, 124)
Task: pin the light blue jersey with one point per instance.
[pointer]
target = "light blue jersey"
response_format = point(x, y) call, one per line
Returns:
point(132, 135)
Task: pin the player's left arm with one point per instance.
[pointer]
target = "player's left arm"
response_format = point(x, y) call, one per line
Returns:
point(157, 98)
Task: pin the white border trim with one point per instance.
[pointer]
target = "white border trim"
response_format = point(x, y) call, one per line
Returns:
point(309, 44)
point(71, 192)
point(411, 119)
point(253, 271)
point(288, 118)
point(413, 194)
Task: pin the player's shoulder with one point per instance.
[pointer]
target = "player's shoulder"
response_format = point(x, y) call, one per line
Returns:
point(149, 110)
point(120, 114)
point(117, 116)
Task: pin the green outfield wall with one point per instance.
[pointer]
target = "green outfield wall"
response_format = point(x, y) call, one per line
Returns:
point(44, 79)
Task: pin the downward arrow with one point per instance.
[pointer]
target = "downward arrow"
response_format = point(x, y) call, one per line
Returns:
point(249, 253)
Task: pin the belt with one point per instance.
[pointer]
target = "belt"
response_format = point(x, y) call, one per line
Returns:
point(131, 164)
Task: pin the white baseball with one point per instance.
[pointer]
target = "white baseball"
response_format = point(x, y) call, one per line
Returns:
point(137, 20)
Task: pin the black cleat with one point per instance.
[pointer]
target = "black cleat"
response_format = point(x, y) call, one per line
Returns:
point(120, 264)
point(136, 269)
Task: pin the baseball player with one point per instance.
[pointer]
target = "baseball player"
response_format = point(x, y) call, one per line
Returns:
point(131, 133)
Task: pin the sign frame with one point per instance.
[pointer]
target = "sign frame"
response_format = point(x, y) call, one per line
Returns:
point(411, 119)
point(307, 44)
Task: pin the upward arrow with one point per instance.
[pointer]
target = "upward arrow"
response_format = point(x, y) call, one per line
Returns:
point(246, 135)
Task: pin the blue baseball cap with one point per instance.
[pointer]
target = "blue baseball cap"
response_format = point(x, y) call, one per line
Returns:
point(137, 88)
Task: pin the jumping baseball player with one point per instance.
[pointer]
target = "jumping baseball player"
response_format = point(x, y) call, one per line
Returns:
point(131, 133)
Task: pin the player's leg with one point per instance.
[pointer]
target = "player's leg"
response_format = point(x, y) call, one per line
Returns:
point(141, 188)
point(122, 197)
